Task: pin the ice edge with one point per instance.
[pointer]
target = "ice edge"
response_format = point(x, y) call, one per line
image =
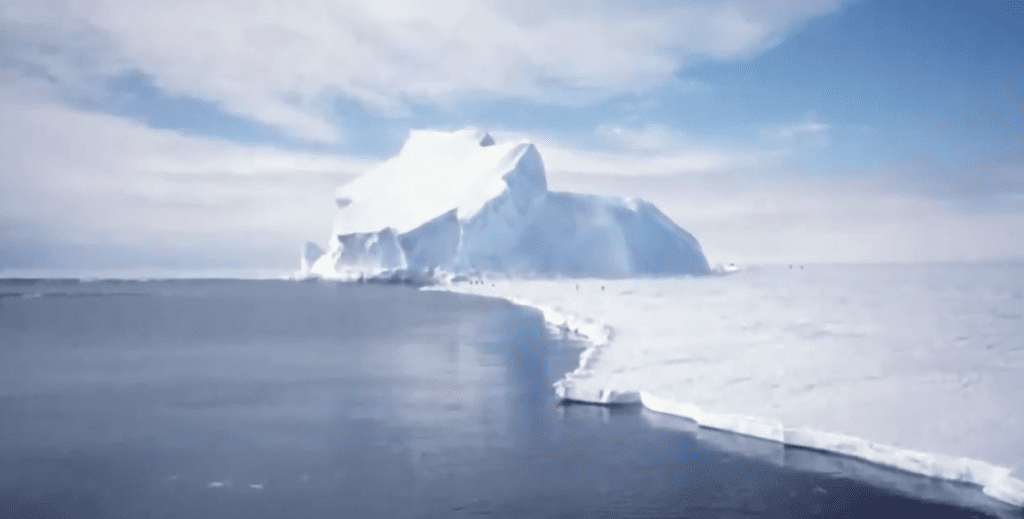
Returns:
point(995, 481)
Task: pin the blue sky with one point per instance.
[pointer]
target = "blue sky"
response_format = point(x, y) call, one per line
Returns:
point(193, 135)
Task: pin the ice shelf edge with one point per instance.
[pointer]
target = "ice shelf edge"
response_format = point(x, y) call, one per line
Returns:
point(995, 481)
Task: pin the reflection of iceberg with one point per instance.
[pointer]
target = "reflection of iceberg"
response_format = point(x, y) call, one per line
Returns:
point(459, 202)
point(837, 466)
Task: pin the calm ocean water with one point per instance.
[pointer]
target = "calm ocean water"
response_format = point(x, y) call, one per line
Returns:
point(278, 399)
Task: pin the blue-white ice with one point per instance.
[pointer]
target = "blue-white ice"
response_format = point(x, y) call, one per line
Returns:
point(459, 202)
point(920, 368)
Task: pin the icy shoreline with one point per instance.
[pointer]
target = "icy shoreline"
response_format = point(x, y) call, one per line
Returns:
point(580, 385)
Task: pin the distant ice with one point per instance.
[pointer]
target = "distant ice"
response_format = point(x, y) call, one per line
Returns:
point(460, 203)
point(725, 268)
point(920, 368)
point(140, 274)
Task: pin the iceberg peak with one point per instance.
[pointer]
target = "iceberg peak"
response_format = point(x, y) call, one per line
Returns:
point(459, 201)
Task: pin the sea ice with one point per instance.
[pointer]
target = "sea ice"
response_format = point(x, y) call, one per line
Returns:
point(920, 368)
point(459, 202)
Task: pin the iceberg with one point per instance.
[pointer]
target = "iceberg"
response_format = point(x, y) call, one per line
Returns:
point(461, 203)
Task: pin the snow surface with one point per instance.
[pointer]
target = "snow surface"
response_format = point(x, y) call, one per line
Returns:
point(459, 202)
point(920, 368)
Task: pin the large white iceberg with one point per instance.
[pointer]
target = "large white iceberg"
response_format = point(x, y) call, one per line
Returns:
point(458, 202)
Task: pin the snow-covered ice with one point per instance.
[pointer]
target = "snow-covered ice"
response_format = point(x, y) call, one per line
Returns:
point(459, 202)
point(918, 367)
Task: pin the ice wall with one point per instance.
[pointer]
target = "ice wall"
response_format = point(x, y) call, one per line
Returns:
point(460, 202)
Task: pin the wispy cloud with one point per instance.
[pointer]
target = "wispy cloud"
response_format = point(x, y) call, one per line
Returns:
point(660, 150)
point(283, 63)
point(74, 177)
point(811, 132)
point(650, 138)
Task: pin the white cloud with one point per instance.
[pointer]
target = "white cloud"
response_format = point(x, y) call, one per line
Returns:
point(652, 150)
point(282, 63)
point(653, 137)
point(694, 161)
point(810, 132)
point(86, 178)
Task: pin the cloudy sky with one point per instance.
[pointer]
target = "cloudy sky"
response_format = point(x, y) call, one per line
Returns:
point(192, 134)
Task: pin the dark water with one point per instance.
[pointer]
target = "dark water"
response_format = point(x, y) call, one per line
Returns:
point(261, 399)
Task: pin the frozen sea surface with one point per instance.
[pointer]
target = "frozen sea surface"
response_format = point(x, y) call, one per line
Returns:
point(275, 399)
point(918, 367)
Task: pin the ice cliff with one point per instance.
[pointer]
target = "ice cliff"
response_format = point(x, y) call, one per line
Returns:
point(459, 202)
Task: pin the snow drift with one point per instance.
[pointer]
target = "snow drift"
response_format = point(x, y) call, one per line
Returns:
point(459, 202)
